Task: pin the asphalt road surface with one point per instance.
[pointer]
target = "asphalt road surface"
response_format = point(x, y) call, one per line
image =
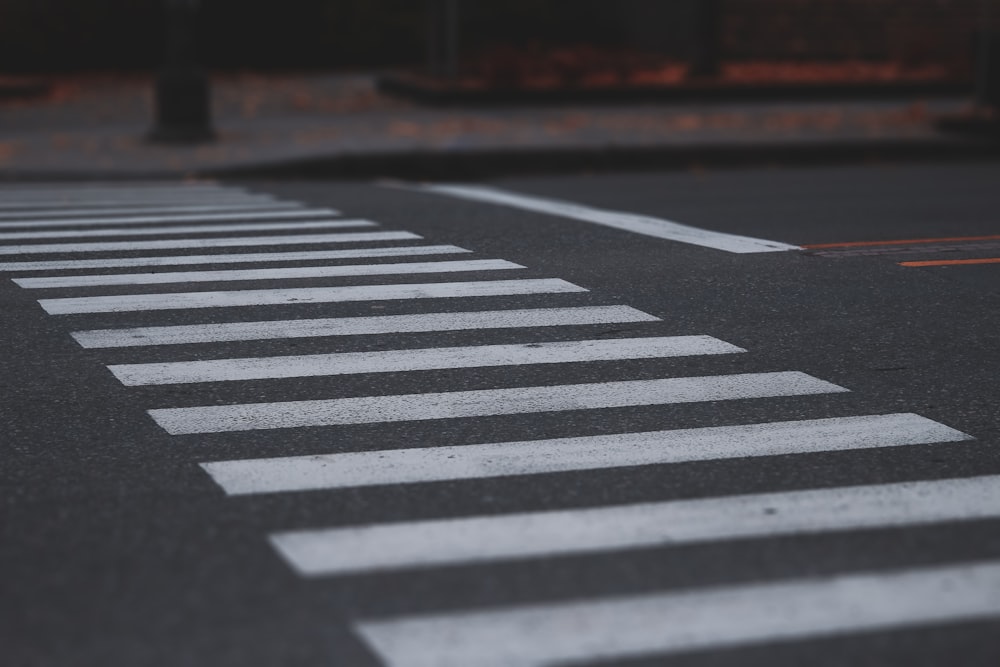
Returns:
point(686, 419)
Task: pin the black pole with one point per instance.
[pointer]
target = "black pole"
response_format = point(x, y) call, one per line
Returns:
point(988, 60)
point(183, 108)
point(706, 59)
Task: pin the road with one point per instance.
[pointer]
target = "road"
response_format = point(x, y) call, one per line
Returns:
point(686, 418)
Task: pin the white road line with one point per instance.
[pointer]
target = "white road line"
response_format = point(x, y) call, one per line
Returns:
point(435, 464)
point(59, 207)
point(183, 300)
point(233, 258)
point(481, 539)
point(189, 229)
point(434, 358)
point(297, 214)
point(489, 402)
point(357, 326)
point(665, 623)
point(73, 215)
point(629, 222)
point(237, 242)
point(268, 274)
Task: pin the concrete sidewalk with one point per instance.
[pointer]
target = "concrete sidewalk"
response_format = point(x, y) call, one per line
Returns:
point(340, 125)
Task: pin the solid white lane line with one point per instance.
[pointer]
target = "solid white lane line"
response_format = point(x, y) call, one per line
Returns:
point(664, 623)
point(629, 222)
point(232, 258)
point(479, 539)
point(297, 214)
point(356, 326)
point(72, 216)
point(489, 402)
point(237, 242)
point(533, 457)
point(268, 274)
point(184, 300)
point(434, 358)
point(189, 229)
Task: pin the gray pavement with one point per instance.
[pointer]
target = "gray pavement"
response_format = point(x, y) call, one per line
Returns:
point(339, 124)
point(119, 549)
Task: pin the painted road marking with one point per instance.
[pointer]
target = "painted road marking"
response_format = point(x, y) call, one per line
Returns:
point(953, 262)
point(180, 217)
point(59, 206)
point(549, 534)
point(289, 273)
point(237, 242)
point(436, 464)
point(304, 295)
point(181, 260)
point(190, 229)
point(489, 402)
point(861, 244)
point(434, 358)
point(357, 326)
point(265, 205)
point(629, 222)
point(665, 623)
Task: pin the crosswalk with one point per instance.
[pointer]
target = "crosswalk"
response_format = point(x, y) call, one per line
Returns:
point(196, 311)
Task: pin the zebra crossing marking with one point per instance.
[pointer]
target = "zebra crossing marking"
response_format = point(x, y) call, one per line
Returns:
point(487, 402)
point(271, 297)
point(193, 229)
point(434, 358)
point(71, 216)
point(291, 273)
point(232, 258)
point(228, 242)
point(549, 534)
point(660, 624)
point(418, 465)
point(357, 326)
point(297, 214)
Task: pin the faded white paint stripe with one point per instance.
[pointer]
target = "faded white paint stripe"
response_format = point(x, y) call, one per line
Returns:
point(436, 464)
point(466, 540)
point(73, 215)
point(297, 214)
point(189, 229)
point(665, 623)
point(357, 326)
point(268, 274)
point(629, 222)
point(232, 258)
point(237, 242)
point(434, 358)
point(489, 402)
point(184, 300)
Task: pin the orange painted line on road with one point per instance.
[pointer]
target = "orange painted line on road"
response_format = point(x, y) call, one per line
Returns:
point(860, 244)
point(952, 262)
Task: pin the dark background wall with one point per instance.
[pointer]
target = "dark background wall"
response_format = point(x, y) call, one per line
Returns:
point(68, 35)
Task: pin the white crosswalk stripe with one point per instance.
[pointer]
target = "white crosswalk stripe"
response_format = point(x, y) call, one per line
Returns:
point(232, 258)
point(228, 242)
point(76, 213)
point(296, 214)
point(397, 361)
point(489, 402)
point(667, 623)
point(359, 326)
point(121, 303)
point(192, 229)
point(531, 634)
point(268, 274)
point(601, 452)
point(415, 544)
